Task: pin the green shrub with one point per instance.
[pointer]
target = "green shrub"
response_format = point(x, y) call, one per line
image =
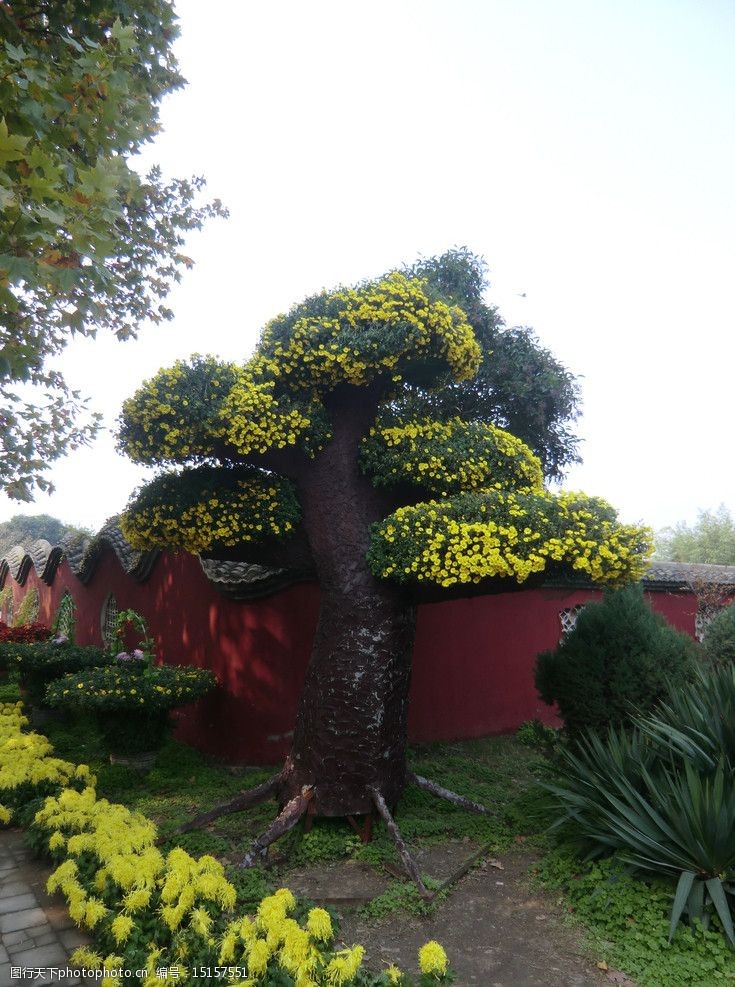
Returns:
point(620, 654)
point(661, 795)
point(41, 662)
point(719, 642)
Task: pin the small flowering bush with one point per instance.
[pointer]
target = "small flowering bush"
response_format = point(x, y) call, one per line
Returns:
point(131, 703)
point(446, 458)
point(170, 915)
point(206, 508)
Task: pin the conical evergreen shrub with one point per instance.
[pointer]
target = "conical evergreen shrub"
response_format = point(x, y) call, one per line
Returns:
point(620, 656)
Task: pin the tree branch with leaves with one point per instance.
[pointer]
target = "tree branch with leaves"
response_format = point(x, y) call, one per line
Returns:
point(86, 243)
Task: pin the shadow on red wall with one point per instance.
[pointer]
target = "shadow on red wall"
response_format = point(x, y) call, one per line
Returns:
point(473, 658)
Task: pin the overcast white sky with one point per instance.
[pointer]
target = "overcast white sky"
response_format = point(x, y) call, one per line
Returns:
point(585, 148)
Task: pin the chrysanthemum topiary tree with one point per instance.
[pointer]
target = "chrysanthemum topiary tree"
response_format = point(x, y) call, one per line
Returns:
point(333, 449)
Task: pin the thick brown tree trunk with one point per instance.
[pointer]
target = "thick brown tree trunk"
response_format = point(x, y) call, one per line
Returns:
point(350, 735)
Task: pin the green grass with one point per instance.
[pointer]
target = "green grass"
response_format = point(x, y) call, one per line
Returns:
point(625, 920)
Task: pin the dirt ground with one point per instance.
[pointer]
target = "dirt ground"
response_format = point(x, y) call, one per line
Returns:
point(497, 929)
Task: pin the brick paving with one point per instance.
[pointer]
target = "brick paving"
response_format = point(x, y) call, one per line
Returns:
point(36, 933)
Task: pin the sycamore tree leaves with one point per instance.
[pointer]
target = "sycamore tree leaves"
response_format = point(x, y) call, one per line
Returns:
point(86, 243)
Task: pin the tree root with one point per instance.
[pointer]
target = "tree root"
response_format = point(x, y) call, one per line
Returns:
point(299, 805)
point(286, 819)
point(246, 800)
point(445, 793)
point(408, 862)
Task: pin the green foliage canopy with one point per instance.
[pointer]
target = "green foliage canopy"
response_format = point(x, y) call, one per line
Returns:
point(24, 529)
point(86, 243)
point(711, 539)
point(520, 386)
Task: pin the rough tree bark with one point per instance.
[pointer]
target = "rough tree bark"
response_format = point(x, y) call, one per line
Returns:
point(348, 755)
point(350, 734)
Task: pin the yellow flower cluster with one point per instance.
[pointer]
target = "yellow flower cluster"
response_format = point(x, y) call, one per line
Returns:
point(117, 883)
point(453, 456)
point(482, 536)
point(273, 940)
point(194, 410)
point(353, 335)
point(255, 420)
point(12, 721)
point(202, 515)
point(433, 959)
point(25, 760)
point(176, 415)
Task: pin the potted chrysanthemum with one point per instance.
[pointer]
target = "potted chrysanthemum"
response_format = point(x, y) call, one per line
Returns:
point(132, 697)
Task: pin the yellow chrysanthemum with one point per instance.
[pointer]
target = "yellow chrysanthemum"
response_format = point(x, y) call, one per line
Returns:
point(433, 959)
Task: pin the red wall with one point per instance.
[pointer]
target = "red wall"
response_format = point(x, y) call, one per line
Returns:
point(473, 658)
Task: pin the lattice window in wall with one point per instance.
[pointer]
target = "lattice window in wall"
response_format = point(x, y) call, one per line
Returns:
point(64, 620)
point(108, 621)
point(28, 608)
point(568, 619)
point(6, 605)
point(703, 618)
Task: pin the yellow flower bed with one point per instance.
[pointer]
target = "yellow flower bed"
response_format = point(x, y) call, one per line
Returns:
point(168, 918)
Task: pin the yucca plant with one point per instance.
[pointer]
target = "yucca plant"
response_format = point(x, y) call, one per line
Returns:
point(697, 723)
point(661, 795)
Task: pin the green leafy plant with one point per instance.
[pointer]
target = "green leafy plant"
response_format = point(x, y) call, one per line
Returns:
point(625, 923)
point(619, 655)
point(538, 736)
point(65, 619)
point(719, 641)
point(42, 662)
point(661, 796)
point(697, 722)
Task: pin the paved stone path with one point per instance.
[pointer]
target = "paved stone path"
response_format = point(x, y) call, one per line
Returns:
point(36, 933)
